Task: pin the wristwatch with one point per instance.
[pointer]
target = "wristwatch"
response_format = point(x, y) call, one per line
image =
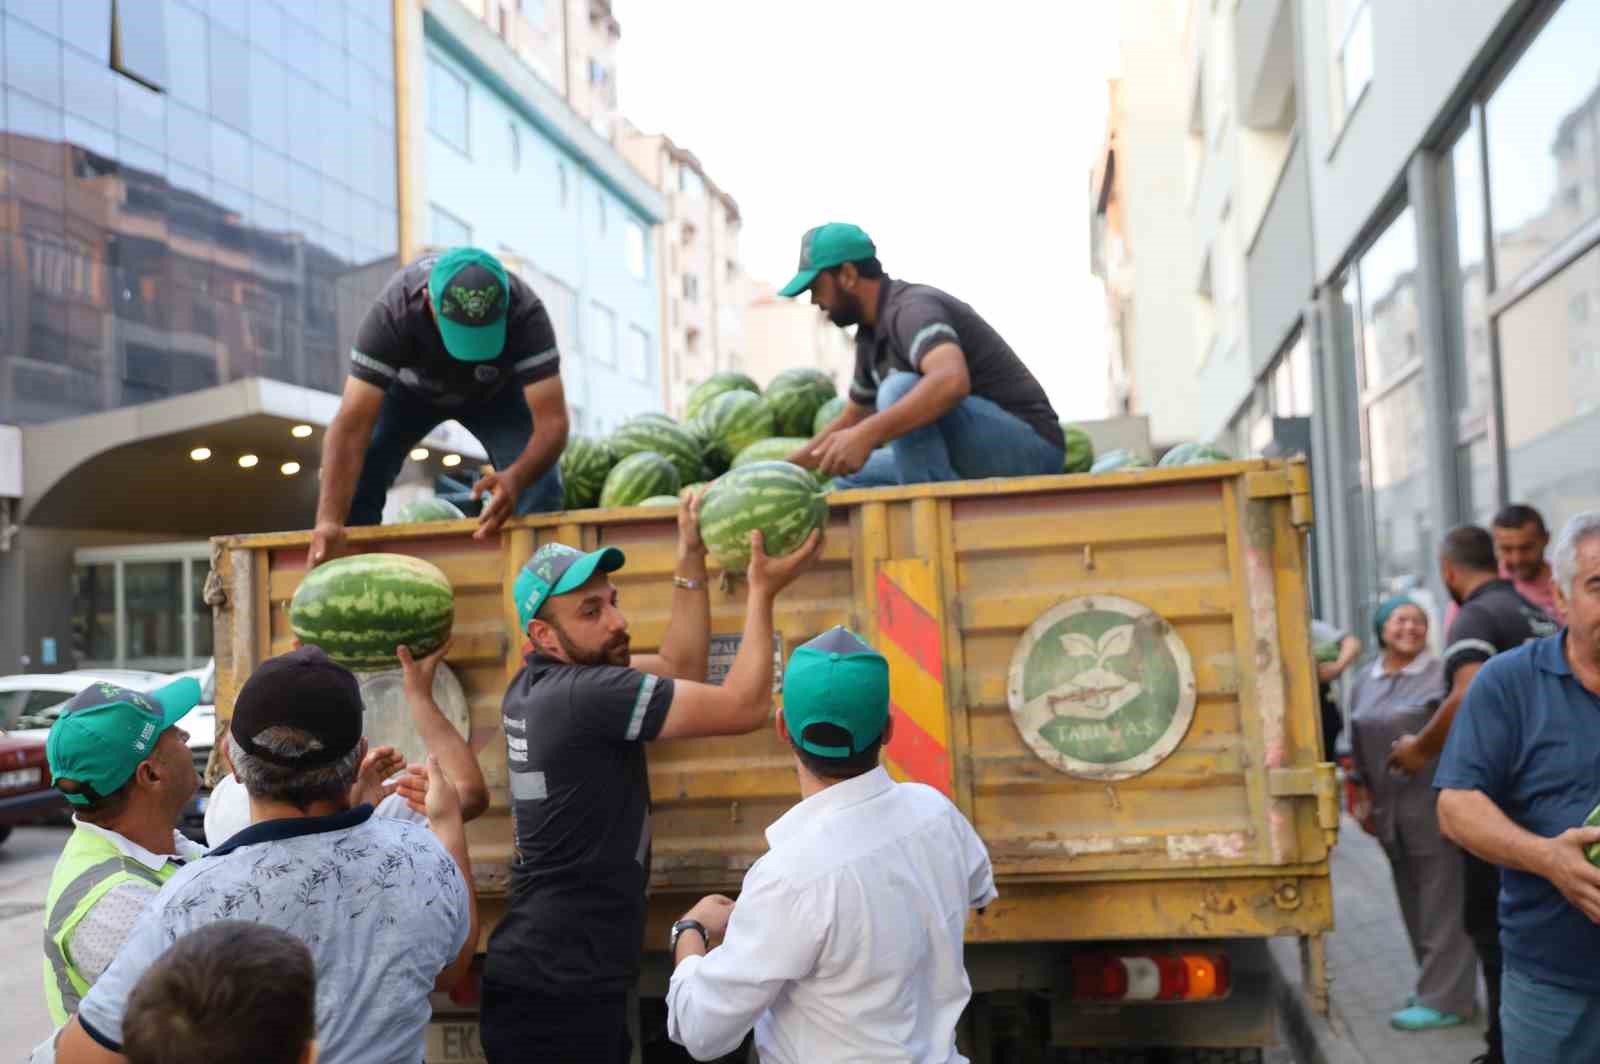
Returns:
point(688, 925)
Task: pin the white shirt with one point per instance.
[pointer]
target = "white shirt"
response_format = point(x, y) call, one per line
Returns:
point(228, 810)
point(846, 941)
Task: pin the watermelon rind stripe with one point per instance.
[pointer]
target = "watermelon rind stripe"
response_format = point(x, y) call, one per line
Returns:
point(358, 609)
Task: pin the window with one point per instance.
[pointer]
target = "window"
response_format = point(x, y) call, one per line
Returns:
point(638, 355)
point(532, 10)
point(600, 209)
point(634, 249)
point(448, 105)
point(1541, 129)
point(602, 345)
point(139, 42)
point(690, 183)
point(691, 288)
point(561, 181)
point(561, 303)
point(446, 230)
point(1350, 28)
point(514, 146)
point(598, 73)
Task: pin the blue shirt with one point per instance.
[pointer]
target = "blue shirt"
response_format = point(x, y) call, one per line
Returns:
point(1528, 737)
point(379, 902)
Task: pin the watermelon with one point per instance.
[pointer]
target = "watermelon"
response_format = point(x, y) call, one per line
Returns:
point(1188, 454)
point(1325, 652)
point(772, 449)
point(638, 477)
point(779, 498)
point(658, 433)
point(795, 396)
point(730, 422)
point(1592, 851)
point(698, 485)
point(1118, 459)
point(359, 608)
point(1080, 450)
point(584, 466)
point(826, 413)
point(715, 385)
point(430, 509)
point(659, 500)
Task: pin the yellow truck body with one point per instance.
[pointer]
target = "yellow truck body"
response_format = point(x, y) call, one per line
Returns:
point(1220, 830)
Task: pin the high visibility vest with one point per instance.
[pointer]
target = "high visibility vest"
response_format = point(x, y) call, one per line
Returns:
point(89, 867)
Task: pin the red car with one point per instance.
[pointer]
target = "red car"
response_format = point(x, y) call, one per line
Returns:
point(25, 792)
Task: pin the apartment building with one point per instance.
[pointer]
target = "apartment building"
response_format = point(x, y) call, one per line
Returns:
point(570, 44)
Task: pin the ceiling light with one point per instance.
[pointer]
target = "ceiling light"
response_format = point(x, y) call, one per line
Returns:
point(300, 432)
point(200, 454)
point(420, 454)
point(248, 461)
point(451, 460)
point(289, 469)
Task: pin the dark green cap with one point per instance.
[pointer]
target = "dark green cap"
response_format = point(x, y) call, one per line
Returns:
point(825, 247)
point(836, 679)
point(471, 296)
point(105, 731)
point(556, 569)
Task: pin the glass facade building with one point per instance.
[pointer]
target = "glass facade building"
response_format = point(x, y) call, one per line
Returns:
point(190, 194)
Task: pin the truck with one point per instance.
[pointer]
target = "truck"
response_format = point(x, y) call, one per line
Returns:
point(1111, 676)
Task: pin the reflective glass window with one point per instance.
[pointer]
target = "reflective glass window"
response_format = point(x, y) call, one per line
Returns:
point(269, 115)
point(88, 30)
point(153, 595)
point(187, 34)
point(230, 89)
point(94, 625)
point(139, 42)
point(266, 27)
point(33, 61)
point(87, 87)
point(447, 105)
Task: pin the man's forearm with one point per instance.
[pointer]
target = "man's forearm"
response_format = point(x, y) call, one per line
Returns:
point(440, 738)
point(1472, 821)
point(543, 450)
point(1431, 739)
point(342, 454)
point(687, 644)
point(750, 676)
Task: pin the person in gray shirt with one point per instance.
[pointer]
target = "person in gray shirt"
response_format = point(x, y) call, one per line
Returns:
point(385, 906)
point(1395, 696)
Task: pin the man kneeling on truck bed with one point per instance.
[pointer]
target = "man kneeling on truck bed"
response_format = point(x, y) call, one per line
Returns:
point(846, 942)
point(566, 953)
point(937, 393)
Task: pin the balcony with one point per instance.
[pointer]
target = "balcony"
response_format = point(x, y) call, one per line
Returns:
point(1264, 50)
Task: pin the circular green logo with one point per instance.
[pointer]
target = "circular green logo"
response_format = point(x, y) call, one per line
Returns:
point(1101, 687)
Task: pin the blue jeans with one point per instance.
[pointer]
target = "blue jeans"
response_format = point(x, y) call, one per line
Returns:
point(976, 439)
point(1547, 1024)
point(503, 425)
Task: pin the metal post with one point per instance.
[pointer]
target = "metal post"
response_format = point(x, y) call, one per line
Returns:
point(119, 600)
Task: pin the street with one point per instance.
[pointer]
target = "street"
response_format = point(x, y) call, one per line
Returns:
point(26, 859)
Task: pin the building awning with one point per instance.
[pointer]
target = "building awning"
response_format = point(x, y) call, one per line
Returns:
point(140, 468)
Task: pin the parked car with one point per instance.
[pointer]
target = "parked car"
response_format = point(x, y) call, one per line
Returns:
point(201, 724)
point(25, 792)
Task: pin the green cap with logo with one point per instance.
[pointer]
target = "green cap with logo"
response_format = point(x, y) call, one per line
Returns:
point(470, 295)
point(105, 731)
point(556, 569)
point(825, 247)
point(836, 679)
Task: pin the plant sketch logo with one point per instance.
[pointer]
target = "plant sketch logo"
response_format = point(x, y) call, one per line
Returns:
point(1101, 687)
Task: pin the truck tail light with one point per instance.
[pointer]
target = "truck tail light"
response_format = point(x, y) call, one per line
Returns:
point(1152, 977)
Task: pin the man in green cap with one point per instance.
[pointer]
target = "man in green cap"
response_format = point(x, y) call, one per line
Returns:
point(451, 336)
point(125, 766)
point(565, 955)
point(846, 942)
point(937, 393)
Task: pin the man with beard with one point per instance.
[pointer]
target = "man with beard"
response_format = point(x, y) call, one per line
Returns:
point(937, 393)
point(564, 956)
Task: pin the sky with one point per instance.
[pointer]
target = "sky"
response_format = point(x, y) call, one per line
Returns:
point(961, 144)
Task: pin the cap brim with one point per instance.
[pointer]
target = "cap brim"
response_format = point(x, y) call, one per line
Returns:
point(606, 560)
point(176, 700)
point(472, 343)
point(801, 282)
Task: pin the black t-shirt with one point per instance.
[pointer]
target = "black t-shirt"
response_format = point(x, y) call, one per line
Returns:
point(398, 345)
point(1494, 619)
point(913, 319)
point(580, 800)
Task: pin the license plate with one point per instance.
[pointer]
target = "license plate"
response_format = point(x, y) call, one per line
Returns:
point(19, 778)
point(453, 1042)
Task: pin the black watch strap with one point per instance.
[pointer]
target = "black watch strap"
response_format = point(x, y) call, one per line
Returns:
point(689, 925)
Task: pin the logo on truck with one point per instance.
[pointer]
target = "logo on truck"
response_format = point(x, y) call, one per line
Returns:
point(1101, 687)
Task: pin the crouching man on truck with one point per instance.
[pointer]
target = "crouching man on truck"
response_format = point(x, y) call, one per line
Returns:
point(563, 958)
point(937, 393)
point(846, 941)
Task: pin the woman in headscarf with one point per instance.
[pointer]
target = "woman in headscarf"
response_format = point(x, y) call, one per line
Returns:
point(1395, 696)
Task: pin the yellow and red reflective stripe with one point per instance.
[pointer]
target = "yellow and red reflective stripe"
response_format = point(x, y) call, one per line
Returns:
point(909, 633)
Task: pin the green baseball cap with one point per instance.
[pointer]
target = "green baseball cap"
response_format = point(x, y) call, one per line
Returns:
point(105, 731)
point(556, 569)
point(825, 247)
point(836, 679)
point(470, 296)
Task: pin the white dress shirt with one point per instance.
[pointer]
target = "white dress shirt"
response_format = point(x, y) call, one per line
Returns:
point(846, 940)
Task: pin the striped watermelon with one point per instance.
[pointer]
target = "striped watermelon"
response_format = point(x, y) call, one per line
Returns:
point(826, 413)
point(715, 385)
point(1188, 454)
point(660, 500)
point(698, 485)
point(795, 396)
point(659, 433)
point(1080, 450)
point(584, 466)
point(1118, 460)
point(432, 509)
point(358, 609)
point(638, 477)
point(779, 498)
point(730, 422)
point(776, 449)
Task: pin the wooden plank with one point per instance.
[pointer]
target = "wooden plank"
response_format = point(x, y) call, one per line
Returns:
point(1027, 529)
point(1012, 610)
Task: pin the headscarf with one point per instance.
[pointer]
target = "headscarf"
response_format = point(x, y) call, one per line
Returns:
point(1386, 610)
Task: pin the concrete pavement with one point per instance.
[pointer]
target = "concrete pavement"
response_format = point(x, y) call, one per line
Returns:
point(26, 859)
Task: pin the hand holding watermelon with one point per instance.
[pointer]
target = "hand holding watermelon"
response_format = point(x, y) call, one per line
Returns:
point(502, 488)
point(328, 541)
point(768, 576)
point(846, 451)
point(418, 675)
point(690, 545)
